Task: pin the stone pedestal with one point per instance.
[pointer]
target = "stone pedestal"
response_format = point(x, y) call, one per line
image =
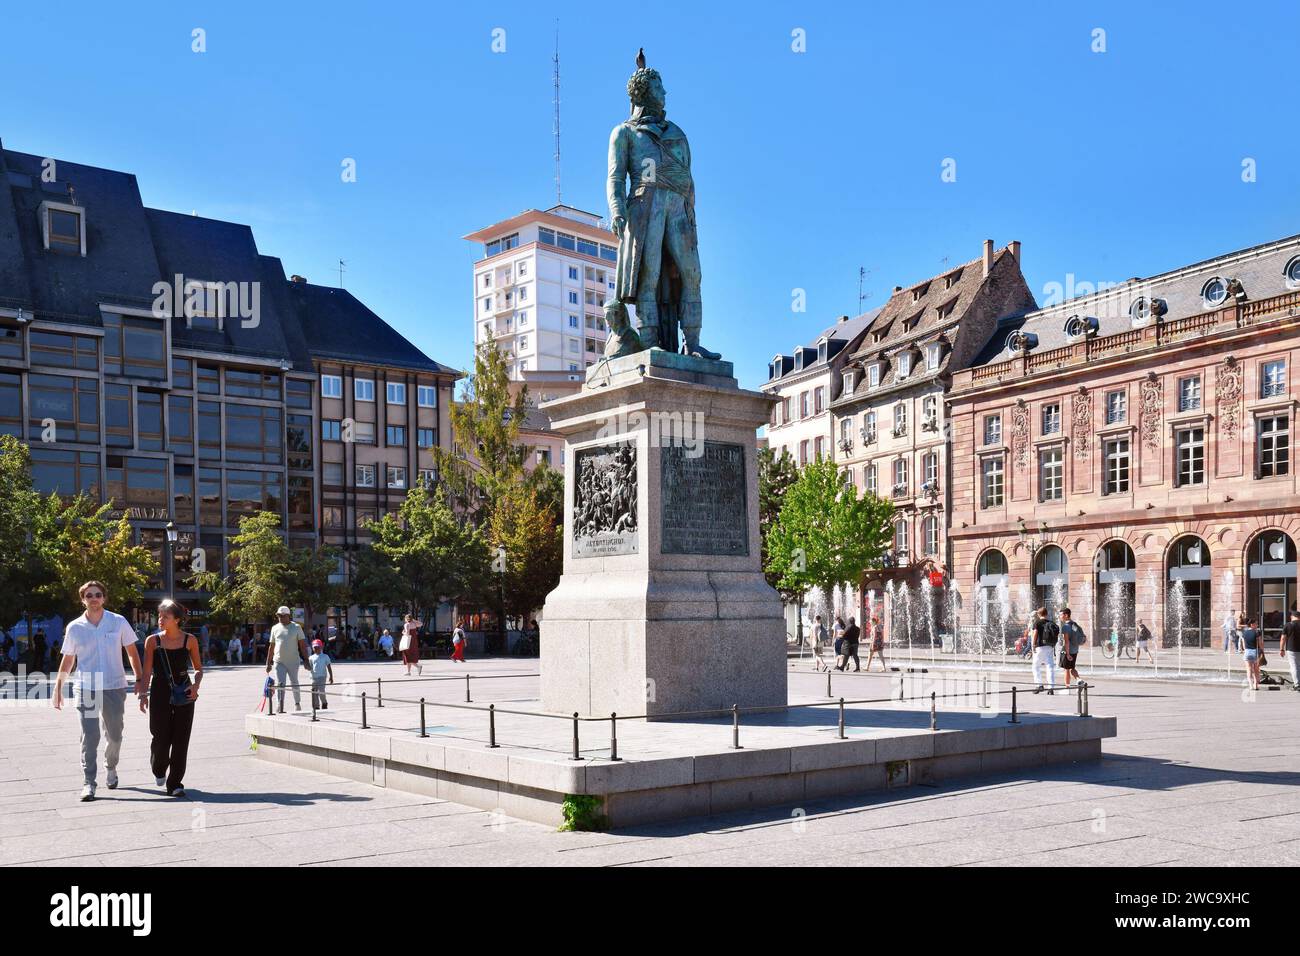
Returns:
point(662, 606)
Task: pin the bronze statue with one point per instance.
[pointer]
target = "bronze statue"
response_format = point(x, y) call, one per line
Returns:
point(658, 252)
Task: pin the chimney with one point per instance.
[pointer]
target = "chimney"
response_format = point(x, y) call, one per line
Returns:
point(842, 319)
point(1014, 248)
point(297, 279)
point(898, 288)
point(988, 257)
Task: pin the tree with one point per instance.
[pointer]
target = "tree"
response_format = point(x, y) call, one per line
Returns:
point(21, 566)
point(485, 424)
point(260, 567)
point(531, 530)
point(79, 542)
point(308, 580)
point(826, 535)
point(776, 473)
point(421, 556)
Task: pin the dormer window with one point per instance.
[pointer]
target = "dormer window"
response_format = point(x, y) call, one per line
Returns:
point(1214, 293)
point(877, 337)
point(850, 382)
point(63, 227)
point(821, 351)
point(951, 279)
point(910, 324)
point(904, 364)
point(1021, 341)
point(1080, 326)
point(1293, 273)
point(1145, 310)
point(798, 359)
point(933, 355)
point(873, 375)
point(945, 310)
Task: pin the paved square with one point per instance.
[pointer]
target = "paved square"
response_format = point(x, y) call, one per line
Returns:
point(1197, 776)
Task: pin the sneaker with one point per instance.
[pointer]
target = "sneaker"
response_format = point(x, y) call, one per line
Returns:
point(160, 781)
point(88, 793)
point(112, 780)
point(178, 792)
point(419, 670)
point(1038, 689)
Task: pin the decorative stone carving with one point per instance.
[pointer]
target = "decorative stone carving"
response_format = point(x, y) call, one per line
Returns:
point(1082, 432)
point(1020, 436)
point(1152, 410)
point(1228, 397)
point(604, 500)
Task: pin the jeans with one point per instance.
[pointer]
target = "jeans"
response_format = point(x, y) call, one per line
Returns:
point(318, 698)
point(94, 706)
point(286, 674)
point(1044, 656)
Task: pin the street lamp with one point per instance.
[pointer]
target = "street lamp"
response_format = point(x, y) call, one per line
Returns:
point(172, 536)
point(501, 599)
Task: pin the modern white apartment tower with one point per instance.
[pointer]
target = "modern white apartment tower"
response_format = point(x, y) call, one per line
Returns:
point(540, 287)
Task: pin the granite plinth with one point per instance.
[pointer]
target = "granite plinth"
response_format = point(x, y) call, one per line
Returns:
point(662, 606)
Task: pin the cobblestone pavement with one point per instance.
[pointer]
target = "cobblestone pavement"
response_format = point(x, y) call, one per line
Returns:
point(1199, 775)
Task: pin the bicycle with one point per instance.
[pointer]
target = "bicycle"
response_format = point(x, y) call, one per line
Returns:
point(1127, 647)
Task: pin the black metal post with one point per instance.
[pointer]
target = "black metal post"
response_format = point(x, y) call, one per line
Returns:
point(735, 727)
point(841, 718)
point(828, 683)
point(934, 717)
point(379, 682)
point(492, 725)
point(363, 711)
point(576, 754)
point(613, 736)
point(1014, 718)
point(467, 700)
point(313, 705)
point(423, 730)
point(1085, 700)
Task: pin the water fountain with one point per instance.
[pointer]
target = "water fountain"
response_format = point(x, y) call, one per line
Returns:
point(1226, 596)
point(1176, 612)
point(1004, 612)
point(1087, 614)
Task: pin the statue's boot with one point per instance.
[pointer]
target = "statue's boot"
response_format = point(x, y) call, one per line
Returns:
point(692, 319)
point(647, 312)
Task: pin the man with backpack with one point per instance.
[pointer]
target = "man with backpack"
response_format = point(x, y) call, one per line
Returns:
point(1074, 638)
point(1045, 635)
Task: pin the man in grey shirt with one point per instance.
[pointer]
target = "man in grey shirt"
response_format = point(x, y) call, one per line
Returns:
point(287, 652)
point(94, 642)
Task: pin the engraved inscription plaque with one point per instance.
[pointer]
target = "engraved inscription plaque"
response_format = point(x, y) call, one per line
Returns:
point(604, 500)
point(704, 500)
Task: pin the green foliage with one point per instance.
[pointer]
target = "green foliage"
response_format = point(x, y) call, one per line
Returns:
point(531, 530)
point(825, 535)
point(583, 812)
point(421, 556)
point(776, 473)
point(487, 459)
point(266, 572)
point(21, 567)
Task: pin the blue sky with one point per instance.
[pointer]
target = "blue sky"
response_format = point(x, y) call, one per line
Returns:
point(808, 165)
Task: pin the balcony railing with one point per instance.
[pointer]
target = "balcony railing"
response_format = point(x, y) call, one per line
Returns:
point(1085, 351)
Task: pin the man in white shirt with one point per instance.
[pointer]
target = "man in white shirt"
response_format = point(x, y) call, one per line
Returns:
point(287, 652)
point(94, 643)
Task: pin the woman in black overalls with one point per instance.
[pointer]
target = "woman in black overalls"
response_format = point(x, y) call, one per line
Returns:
point(169, 655)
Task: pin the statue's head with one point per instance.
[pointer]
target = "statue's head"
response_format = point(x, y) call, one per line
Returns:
point(646, 88)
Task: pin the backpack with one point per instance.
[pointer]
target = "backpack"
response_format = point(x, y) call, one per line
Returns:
point(1050, 633)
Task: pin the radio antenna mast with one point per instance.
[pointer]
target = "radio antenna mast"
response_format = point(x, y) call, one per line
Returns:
point(556, 61)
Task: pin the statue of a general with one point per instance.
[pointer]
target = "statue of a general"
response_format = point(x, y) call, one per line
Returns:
point(658, 254)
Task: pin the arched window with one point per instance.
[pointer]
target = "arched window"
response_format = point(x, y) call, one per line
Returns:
point(1271, 579)
point(1051, 579)
point(1115, 589)
point(1187, 596)
point(994, 602)
point(930, 535)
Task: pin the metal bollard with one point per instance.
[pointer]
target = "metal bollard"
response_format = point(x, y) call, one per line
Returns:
point(313, 705)
point(735, 727)
point(467, 700)
point(841, 718)
point(1078, 699)
point(828, 683)
point(613, 736)
point(1014, 718)
point(1085, 700)
point(379, 682)
point(492, 725)
point(363, 711)
point(424, 732)
point(576, 754)
point(934, 717)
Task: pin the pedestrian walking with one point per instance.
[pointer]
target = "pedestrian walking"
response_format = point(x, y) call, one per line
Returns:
point(1072, 638)
point(837, 634)
point(1144, 643)
point(93, 643)
point(851, 635)
point(1251, 645)
point(287, 651)
point(410, 646)
point(458, 643)
point(818, 639)
point(1290, 646)
point(877, 644)
point(1044, 641)
point(321, 669)
point(168, 657)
